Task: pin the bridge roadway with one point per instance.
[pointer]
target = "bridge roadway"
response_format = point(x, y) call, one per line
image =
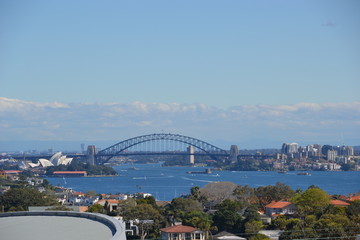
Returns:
point(125, 154)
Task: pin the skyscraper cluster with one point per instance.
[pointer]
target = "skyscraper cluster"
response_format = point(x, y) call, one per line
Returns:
point(316, 150)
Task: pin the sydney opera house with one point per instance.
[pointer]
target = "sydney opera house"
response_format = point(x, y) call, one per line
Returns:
point(57, 159)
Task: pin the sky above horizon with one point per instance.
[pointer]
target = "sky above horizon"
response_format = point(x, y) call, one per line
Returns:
point(253, 73)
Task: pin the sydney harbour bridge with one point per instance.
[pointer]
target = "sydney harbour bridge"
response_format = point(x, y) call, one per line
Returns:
point(161, 144)
point(152, 144)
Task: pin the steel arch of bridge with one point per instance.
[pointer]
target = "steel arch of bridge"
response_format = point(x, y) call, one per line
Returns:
point(116, 149)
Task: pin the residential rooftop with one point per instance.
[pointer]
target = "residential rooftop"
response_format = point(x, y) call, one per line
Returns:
point(60, 225)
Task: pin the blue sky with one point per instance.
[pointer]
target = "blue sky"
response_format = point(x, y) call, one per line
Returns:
point(222, 55)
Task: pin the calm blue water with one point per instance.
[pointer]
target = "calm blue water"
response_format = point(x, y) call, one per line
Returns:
point(165, 183)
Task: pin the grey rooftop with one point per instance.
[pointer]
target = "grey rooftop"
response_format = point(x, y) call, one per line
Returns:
point(59, 225)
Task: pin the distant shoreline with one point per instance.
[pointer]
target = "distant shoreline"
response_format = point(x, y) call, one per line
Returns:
point(103, 175)
point(62, 176)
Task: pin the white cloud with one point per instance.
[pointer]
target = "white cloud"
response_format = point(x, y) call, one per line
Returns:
point(8, 104)
point(24, 120)
point(144, 123)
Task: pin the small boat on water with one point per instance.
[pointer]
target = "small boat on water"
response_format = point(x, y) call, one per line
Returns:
point(207, 171)
point(144, 178)
point(304, 173)
point(133, 168)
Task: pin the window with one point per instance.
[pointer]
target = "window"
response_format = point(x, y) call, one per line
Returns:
point(187, 236)
point(127, 225)
point(174, 236)
point(197, 235)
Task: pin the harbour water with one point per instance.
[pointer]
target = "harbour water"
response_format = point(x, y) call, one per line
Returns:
point(165, 183)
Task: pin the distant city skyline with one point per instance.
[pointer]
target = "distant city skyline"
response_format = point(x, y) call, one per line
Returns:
point(253, 73)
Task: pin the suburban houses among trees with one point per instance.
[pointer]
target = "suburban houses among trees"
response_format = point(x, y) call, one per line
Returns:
point(219, 210)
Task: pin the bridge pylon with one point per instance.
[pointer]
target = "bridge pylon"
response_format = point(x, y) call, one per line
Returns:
point(191, 157)
point(90, 156)
point(234, 152)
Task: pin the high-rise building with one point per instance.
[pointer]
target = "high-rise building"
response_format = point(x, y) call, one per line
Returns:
point(349, 151)
point(346, 151)
point(309, 148)
point(331, 155)
point(317, 150)
point(289, 148)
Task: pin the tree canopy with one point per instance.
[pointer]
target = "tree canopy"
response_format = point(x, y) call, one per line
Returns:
point(145, 216)
point(96, 208)
point(198, 219)
point(19, 199)
point(354, 208)
point(266, 195)
point(313, 200)
point(227, 218)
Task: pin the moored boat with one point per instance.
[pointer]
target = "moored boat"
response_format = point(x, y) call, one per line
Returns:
point(304, 173)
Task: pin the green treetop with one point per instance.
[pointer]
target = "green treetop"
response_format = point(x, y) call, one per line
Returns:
point(313, 200)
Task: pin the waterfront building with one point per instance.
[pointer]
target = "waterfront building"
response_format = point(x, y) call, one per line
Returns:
point(59, 159)
point(69, 174)
point(332, 166)
point(56, 160)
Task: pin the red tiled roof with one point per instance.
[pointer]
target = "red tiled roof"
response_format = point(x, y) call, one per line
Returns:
point(339, 203)
point(12, 171)
point(77, 193)
point(354, 198)
point(280, 204)
point(342, 197)
point(179, 229)
point(108, 200)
